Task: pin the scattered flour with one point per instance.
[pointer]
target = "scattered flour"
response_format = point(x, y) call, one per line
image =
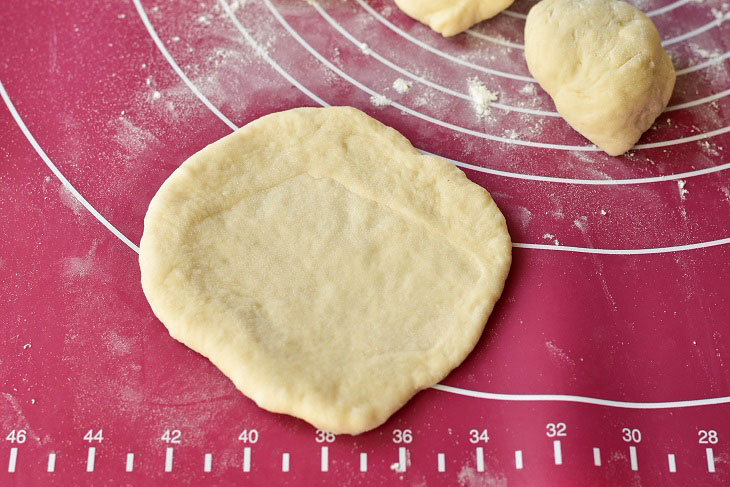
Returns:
point(708, 148)
point(80, 266)
point(402, 86)
point(603, 212)
point(131, 138)
point(702, 52)
point(719, 13)
point(550, 236)
point(481, 97)
point(682, 191)
point(529, 89)
point(380, 100)
point(236, 4)
point(580, 223)
point(469, 477)
point(116, 344)
point(558, 353)
point(726, 192)
point(69, 200)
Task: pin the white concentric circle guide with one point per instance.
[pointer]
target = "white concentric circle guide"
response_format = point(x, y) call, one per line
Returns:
point(387, 62)
point(454, 390)
point(457, 128)
point(258, 49)
point(400, 32)
point(54, 169)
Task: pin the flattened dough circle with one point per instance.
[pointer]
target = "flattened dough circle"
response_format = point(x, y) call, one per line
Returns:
point(324, 265)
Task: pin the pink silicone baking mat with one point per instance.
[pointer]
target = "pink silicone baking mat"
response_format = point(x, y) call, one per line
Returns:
point(604, 363)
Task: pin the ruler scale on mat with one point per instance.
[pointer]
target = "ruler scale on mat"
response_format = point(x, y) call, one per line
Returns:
point(603, 364)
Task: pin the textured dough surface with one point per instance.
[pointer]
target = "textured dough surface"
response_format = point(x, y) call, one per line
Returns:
point(324, 265)
point(451, 17)
point(603, 64)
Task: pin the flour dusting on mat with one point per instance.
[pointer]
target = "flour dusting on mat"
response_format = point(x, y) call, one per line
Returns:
point(402, 86)
point(682, 191)
point(380, 100)
point(469, 477)
point(481, 97)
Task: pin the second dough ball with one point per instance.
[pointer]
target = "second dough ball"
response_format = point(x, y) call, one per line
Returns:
point(603, 64)
point(451, 17)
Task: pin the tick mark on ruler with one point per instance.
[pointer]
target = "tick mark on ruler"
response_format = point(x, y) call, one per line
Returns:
point(130, 462)
point(634, 460)
point(285, 462)
point(363, 462)
point(168, 459)
point(518, 459)
point(441, 462)
point(51, 462)
point(597, 457)
point(710, 460)
point(557, 452)
point(672, 463)
point(13, 459)
point(247, 459)
point(90, 458)
point(480, 459)
point(400, 467)
point(208, 462)
point(324, 459)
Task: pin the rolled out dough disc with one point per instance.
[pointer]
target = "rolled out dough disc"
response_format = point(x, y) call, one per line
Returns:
point(324, 265)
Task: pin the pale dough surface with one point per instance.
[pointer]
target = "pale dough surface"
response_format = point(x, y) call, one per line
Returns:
point(324, 265)
point(451, 17)
point(603, 64)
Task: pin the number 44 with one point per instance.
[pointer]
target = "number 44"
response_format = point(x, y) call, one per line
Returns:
point(91, 436)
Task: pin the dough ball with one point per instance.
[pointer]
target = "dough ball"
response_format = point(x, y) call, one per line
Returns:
point(603, 64)
point(324, 265)
point(451, 17)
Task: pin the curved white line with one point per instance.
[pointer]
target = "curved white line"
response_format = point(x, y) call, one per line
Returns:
point(415, 113)
point(495, 40)
point(668, 8)
point(658, 250)
point(146, 21)
point(464, 130)
point(709, 62)
point(516, 15)
point(374, 13)
point(683, 140)
point(587, 182)
point(582, 399)
point(699, 101)
point(496, 172)
point(371, 52)
point(697, 31)
point(69, 187)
